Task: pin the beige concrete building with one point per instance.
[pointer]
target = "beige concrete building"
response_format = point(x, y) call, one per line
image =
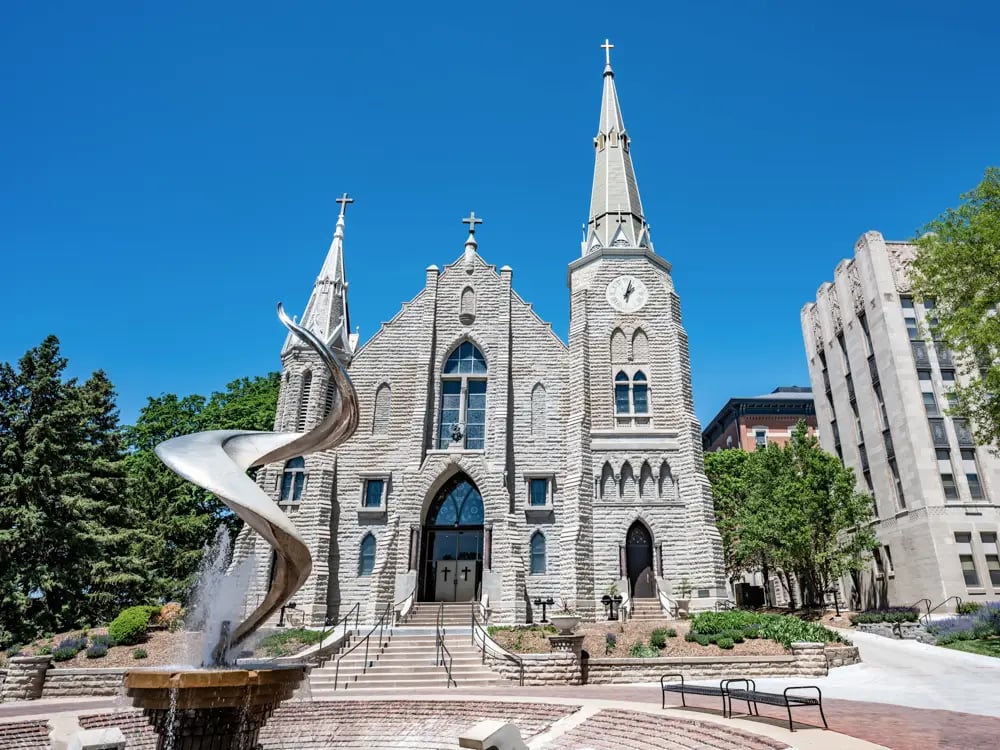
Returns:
point(494, 459)
point(881, 392)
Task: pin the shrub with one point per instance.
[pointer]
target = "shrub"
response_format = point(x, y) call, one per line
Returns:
point(14, 650)
point(690, 637)
point(735, 636)
point(610, 641)
point(101, 640)
point(703, 640)
point(983, 623)
point(169, 613)
point(44, 650)
point(642, 651)
point(139, 653)
point(888, 614)
point(968, 608)
point(130, 626)
point(785, 629)
point(64, 654)
point(724, 642)
point(670, 632)
point(97, 651)
point(658, 638)
point(73, 643)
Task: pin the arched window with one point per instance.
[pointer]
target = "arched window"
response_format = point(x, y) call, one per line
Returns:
point(467, 308)
point(628, 488)
point(303, 413)
point(459, 504)
point(330, 399)
point(537, 553)
point(640, 346)
point(538, 411)
point(667, 489)
point(646, 486)
point(293, 480)
point(366, 557)
point(631, 394)
point(608, 482)
point(618, 346)
point(383, 409)
point(463, 399)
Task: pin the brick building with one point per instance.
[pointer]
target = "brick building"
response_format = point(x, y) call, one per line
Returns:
point(494, 457)
point(759, 420)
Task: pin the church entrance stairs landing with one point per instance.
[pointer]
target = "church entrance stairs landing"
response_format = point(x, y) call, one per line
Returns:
point(408, 661)
point(648, 609)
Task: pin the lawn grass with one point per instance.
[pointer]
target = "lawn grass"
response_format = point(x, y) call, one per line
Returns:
point(288, 642)
point(984, 646)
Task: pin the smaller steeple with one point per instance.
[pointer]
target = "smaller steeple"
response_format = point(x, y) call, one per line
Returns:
point(327, 314)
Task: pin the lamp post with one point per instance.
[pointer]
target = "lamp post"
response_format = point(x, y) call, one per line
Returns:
point(836, 600)
point(281, 615)
point(612, 603)
point(543, 603)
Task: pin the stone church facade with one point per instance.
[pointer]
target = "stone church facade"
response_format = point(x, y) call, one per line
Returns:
point(493, 459)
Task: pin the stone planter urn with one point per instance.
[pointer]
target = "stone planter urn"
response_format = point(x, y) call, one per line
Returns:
point(683, 607)
point(565, 621)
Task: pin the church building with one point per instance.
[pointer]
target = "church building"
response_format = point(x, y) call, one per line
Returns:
point(493, 459)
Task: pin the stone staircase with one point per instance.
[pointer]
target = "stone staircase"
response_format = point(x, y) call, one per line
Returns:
point(648, 609)
point(407, 660)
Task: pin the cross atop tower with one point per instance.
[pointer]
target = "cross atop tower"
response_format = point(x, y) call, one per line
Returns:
point(343, 201)
point(472, 220)
point(607, 47)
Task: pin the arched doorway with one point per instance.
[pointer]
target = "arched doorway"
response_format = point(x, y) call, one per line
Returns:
point(452, 550)
point(639, 561)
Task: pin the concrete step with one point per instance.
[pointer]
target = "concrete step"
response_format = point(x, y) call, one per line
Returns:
point(379, 674)
point(440, 682)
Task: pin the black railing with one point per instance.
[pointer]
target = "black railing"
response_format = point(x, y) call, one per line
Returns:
point(873, 368)
point(920, 355)
point(935, 608)
point(328, 629)
point(938, 433)
point(384, 621)
point(890, 449)
point(442, 656)
point(498, 652)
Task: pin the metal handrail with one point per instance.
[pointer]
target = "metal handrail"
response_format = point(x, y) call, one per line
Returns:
point(380, 627)
point(328, 629)
point(927, 605)
point(958, 603)
point(500, 651)
point(440, 649)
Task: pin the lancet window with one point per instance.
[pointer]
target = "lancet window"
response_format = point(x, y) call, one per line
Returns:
point(463, 399)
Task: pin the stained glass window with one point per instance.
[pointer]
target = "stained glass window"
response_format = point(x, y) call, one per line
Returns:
point(293, 479)
point(537, 553)
point(463, 399)
point(460, 504)
point(366, 560)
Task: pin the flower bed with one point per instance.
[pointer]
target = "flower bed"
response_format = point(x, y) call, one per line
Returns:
point(727, 628)
point(983, 623)
point(889, 614)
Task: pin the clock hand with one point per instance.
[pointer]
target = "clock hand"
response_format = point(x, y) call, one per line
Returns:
point(628, 290)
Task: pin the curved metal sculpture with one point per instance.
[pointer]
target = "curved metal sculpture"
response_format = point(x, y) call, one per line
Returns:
point(217, 460)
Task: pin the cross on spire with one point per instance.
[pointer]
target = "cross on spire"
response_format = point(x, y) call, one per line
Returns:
point(343, 201)
point(607, 47)
point(472, 220)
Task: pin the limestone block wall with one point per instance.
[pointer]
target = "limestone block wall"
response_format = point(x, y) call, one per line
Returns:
point(557, 668)
point(62, 683)
point(25, 677)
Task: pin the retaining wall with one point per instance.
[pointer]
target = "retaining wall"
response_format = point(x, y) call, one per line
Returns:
point(907, 631)
point(62, 683)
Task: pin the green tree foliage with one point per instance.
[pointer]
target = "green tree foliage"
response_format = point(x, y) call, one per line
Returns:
point(791, 508)
point(958, 266)
point(68, 553)
point(180, 518)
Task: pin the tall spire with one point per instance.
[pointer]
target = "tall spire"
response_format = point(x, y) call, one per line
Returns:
point(326, 313)
point(616, 218)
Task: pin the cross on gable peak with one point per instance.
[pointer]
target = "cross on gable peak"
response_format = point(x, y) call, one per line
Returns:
point(343, 201)
point(472, 220)
point(607, 47)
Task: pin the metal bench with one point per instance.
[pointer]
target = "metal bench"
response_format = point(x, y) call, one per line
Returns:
point(686, 689)
point(753, 696)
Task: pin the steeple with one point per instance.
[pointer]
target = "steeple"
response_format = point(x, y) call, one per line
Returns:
point(616, 218)
point(326, 313)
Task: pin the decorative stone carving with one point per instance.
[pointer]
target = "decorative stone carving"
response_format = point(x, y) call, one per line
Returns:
point(857, 295)
point(817, 327)
point(900, 258)
point(838, 322)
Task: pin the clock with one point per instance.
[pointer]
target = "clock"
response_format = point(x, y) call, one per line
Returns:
point(627, 294)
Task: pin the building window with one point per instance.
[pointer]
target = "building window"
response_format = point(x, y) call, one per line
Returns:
point(947, 475)
point(897, 483)
point(863, 321)
point(950, 489)
point(374, 493)
point(539, 492)
point(971, 470)
point(910, 318)
point(537, 553)
point(975, 488)
point(964, 541)
point(463, 399)
point(888, 561)
point(881, 407)
point(383, 410)
point(989, 539)
point(293, 480)
point(948, 376)
point(760, 437)
point(843, 352)
point(930, 403)
point(304, 392)
point(631, 394)
point(366, 557)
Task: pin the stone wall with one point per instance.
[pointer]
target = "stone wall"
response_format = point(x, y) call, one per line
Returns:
point(839, 655)
point(25, 675)
point(32, 734)
point(561, 668)
point(806, 660)
point(61, 683)
point(907, 631)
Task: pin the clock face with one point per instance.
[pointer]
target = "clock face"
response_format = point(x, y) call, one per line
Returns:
point(627, 294)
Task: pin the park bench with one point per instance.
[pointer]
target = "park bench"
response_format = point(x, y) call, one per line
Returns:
point(687, 689)
point(789, 700)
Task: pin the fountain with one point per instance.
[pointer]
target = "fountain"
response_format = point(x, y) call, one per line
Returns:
point(217, 706)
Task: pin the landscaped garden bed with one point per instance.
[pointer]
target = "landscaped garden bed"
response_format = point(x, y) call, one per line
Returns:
point(977, 632)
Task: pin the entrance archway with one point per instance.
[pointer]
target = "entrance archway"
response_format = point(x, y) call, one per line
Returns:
point(452, 551)
point(639, 561)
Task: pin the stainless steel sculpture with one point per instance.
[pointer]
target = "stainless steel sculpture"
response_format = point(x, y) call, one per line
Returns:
point(218, 461)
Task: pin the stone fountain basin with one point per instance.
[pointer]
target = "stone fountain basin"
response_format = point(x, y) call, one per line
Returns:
point(162, 689)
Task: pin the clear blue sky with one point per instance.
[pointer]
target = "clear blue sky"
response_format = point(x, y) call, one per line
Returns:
point(168, 170)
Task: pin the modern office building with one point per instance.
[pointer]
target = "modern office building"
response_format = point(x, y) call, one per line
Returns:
point(760, 420)
point(882, 397)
